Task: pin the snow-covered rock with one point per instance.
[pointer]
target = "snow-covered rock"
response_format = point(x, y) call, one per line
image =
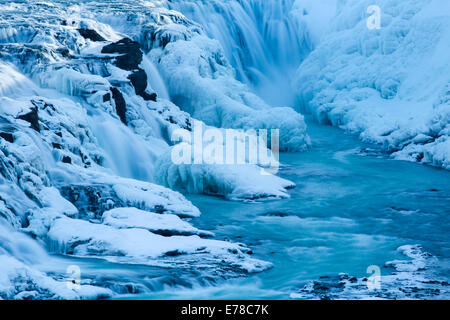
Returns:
point(140, 246)
point(234, 182)
point(163, 224)
point(398, 280)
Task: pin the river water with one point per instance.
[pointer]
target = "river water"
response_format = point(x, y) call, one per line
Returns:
point(352, 208)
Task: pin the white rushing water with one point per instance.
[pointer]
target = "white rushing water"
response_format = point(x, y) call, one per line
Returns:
point(126, 154)
point(264, 40)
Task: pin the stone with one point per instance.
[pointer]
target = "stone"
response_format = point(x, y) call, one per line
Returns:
point(31, 117)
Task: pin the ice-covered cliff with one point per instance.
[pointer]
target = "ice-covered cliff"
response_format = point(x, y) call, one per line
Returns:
point(389, 84)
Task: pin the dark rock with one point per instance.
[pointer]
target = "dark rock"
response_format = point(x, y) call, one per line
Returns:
point(276, 214)
point(66, 159)
point(420, 157)
point(139, 81)
point(56, 145)
point(7, 136)
point(399, 209)
point(171, 233)
point(121, 106)
point(107, 97)
point(131, 53)
point(318, 286)
point(159, 209)
point(64, 52)
point(33, 118)
point(91, 35)
point(173, 253)
point(131, 57)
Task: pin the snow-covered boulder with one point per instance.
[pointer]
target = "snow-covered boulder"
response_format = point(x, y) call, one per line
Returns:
point(235, 182)
point(140, 246)
point(163, 224)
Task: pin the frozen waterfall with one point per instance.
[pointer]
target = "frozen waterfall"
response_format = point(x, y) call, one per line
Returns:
point(264, 40)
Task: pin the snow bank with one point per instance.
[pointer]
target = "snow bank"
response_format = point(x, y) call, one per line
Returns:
point(234, 164)
point(140, 246)
point(150, 196)
point(163, 224)
point(130, 235)
point(390, 85)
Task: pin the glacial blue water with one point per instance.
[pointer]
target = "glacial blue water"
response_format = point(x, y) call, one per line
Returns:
point(352, 208)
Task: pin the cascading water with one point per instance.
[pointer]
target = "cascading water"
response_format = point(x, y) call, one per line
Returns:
point(125, 153)
point(155, 79)
point(265, 40)
point(20, 246)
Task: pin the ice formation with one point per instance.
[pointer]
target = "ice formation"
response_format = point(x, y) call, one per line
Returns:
point(389, 85)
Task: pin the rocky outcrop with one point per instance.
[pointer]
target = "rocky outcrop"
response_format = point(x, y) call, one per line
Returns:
point(31, 117)
point(91, 35)
point(129, 59)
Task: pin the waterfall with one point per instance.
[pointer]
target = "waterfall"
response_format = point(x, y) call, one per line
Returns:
point(20, 246)
point(265, 40)
point(155, 80)
point(126, 153)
